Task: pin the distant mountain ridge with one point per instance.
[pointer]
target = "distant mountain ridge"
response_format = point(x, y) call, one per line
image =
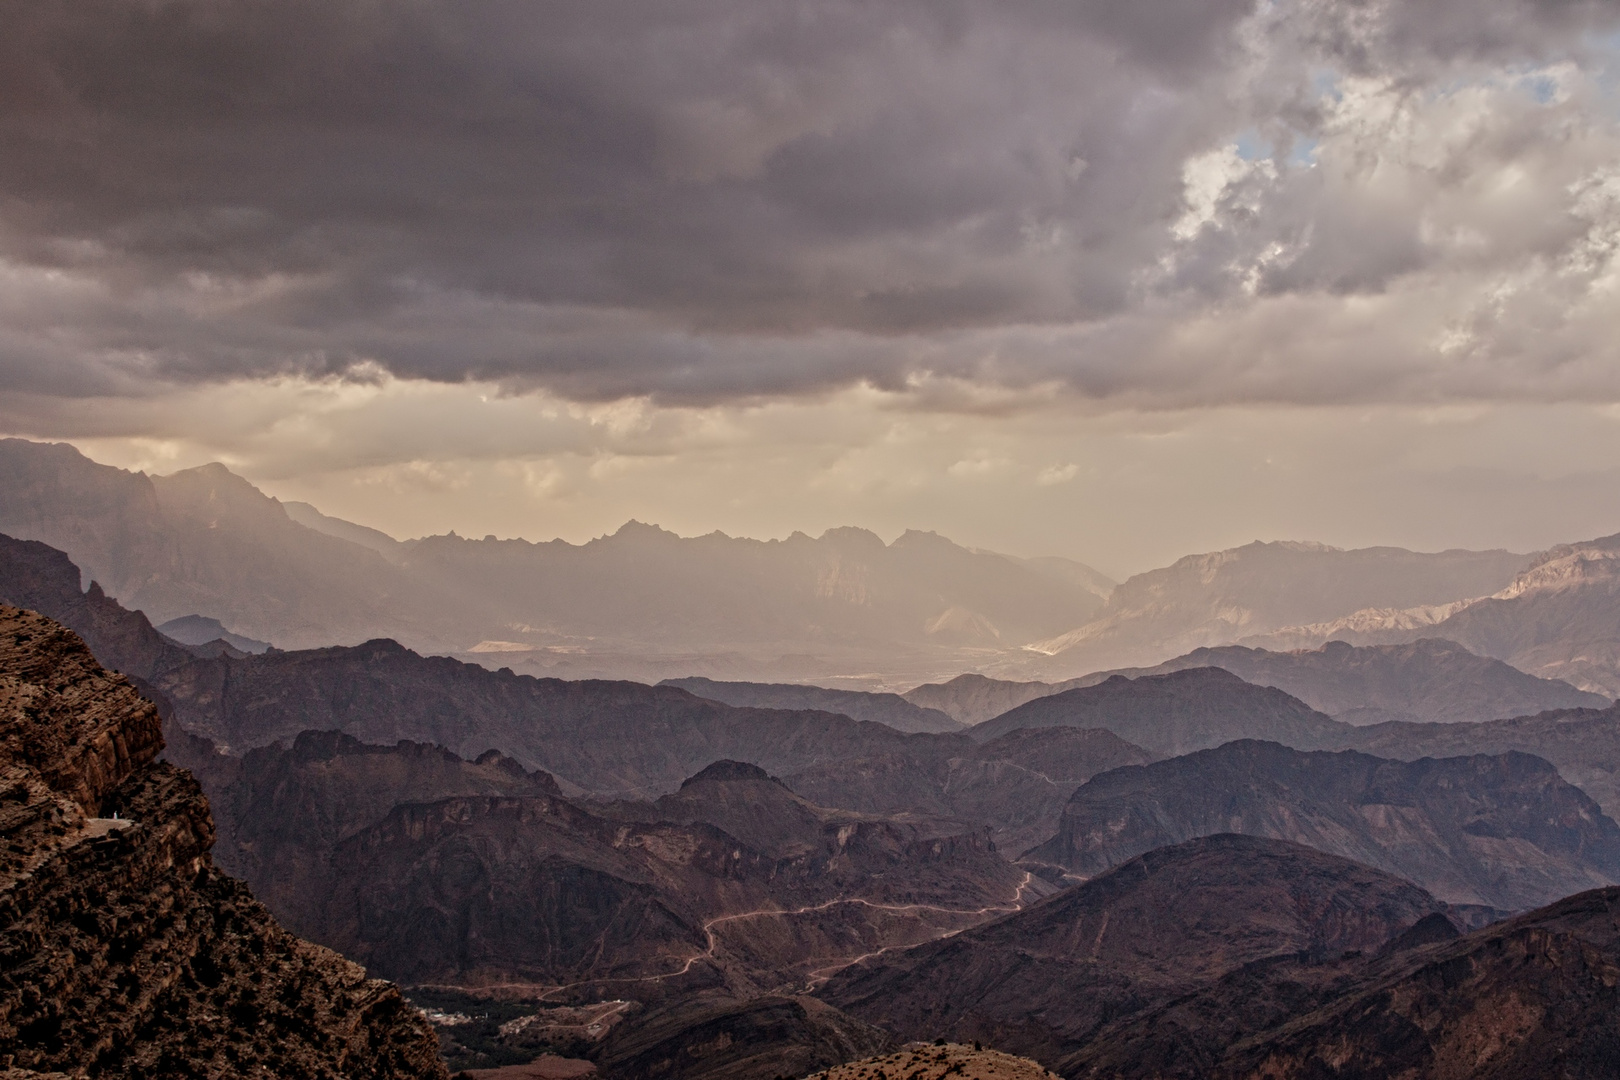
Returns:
point(1221, 597)
point(642, 601)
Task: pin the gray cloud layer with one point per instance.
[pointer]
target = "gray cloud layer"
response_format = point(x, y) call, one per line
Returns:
point(711, 199)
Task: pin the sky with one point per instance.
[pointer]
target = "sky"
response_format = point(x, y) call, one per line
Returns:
point(1112, 281)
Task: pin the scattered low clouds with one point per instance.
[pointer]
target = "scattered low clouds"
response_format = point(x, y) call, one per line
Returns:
point(1146, 276)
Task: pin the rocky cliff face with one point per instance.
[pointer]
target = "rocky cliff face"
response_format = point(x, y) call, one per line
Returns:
point(126, 952)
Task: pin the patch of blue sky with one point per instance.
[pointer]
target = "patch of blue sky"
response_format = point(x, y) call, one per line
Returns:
point(1252, 146)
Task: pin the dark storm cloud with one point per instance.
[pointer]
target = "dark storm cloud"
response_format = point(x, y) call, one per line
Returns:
point(698, 199)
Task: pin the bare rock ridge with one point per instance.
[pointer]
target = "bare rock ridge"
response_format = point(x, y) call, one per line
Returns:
point(1502, 831)
point(126, 952)
point(1238, 958)
point(938, 1061)
point(890, 709)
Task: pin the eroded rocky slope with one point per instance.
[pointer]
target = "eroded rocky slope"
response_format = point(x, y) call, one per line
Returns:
point(126, 952)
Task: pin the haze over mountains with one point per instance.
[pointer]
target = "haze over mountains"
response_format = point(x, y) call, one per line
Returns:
point(646, 604)
point(666, 869)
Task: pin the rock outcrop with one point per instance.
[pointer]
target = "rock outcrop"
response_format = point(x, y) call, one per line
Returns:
point(126, 952)
point(1504, 831)
point(939, 1061)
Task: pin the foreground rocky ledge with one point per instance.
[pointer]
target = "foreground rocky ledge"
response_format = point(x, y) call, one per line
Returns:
point(123, 950)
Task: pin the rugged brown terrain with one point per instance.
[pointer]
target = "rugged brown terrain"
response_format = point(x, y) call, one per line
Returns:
point(434, 869)
point(1504, 831)
point(126, 952)
point(1175, 713)
point(1532, 997)
point(936, 1062)
point(1045, 981)
point(890, 709)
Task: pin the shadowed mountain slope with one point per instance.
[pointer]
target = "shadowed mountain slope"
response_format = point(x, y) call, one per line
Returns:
point(128, 953)
point(890, 709)
point(1045, 980)
point(1505, 831)
point(1174, 714)
point(1532, 997)
point(613, 739)
point(1018, 784)
point(432, 868)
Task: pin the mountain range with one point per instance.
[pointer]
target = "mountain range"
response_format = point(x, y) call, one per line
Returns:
point(1233, 957)
point(204, 542)
point(1424, 680)
point(1503, 831)
point(655, 873)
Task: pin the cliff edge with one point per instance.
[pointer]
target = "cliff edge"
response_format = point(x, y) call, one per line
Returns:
point(123, 950)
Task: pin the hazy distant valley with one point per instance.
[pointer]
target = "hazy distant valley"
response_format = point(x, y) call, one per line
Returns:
point(1216, 820)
